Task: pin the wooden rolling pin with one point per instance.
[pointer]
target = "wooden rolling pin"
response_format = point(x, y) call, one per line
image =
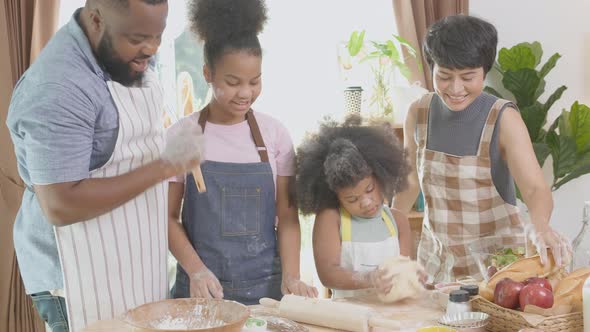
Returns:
point(187, 97)
point(336, 315)
point(199, 181)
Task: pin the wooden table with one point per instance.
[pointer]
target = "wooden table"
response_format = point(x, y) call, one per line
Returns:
point(411, 313)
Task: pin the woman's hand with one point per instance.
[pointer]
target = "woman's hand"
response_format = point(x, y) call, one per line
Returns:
point(205, 284)
point(546, 237)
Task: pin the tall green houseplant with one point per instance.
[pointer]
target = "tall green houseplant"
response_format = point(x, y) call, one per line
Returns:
point(518, 76)
point(385, 58)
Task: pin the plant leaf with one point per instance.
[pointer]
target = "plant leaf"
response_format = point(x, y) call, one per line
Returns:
point(355, 43)
point(497, 67)
point(493, 92)
point(534, 117)
point(540, 89)
point(380, 47)
point(563, 151)
point(522, 83)
point(549, 65)
point(404, 43)
point(579, 122)
point(542, 151)
point(582, 167)
point(370, 56)
point(565, 129)
point(393, 53)
point(517, 57)
point(536, 49)
point(542, 135)
point(554, 125)
point(554, 97)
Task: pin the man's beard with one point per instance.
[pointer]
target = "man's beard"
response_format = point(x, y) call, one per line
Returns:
point(117, 69)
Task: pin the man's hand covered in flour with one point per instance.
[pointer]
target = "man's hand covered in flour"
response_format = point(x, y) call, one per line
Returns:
point(185, 145)
point(546, 237)
point(203, 283)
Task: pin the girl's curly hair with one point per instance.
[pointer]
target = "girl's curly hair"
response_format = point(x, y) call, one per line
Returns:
point(226, 25)
point(340, 155)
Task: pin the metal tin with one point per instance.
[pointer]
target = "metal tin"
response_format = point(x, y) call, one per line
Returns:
point(465, 320)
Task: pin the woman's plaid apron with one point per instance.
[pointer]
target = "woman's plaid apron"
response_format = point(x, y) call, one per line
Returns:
point(462, 203)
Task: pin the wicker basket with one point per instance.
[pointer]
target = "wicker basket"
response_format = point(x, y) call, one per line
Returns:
point(506, 320)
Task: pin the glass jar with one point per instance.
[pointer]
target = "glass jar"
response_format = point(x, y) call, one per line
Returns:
point(581, 243)
point(473, 290)
point(458, 302)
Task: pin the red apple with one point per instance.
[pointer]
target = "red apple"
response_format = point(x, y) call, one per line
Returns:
point(536, 294)
point(539, 281)
point(507, 292)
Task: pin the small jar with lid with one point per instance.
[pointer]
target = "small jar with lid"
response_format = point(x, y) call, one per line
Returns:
point(473, 290)
point(458, 302)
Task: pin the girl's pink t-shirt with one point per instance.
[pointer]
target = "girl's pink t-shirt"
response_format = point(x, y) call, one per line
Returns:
point(234, 144)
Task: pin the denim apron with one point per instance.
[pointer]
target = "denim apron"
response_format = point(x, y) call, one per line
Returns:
point(232, 225)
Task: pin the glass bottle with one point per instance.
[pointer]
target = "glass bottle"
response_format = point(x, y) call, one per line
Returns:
point(586, 304)
point(581, 243)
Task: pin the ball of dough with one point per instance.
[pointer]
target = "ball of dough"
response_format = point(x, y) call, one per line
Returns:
point(404, 273)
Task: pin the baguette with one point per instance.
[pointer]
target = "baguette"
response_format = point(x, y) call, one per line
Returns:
point(569, 289)
point(521, 270)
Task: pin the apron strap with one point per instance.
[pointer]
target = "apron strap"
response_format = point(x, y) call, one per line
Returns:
point(422, 120)
point(257, 136)
point(254, 129)
point(388, 222)
point(203, 116)
point(488, 129)
point(345, 225)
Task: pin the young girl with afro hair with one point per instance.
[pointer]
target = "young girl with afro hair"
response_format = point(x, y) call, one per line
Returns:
point(345, 173)
point(227, 240)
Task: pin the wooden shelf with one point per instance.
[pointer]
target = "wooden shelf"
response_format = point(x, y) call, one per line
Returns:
point(415, 214)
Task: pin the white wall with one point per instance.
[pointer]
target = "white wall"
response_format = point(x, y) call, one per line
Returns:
point(301, 79)
point(560, 26)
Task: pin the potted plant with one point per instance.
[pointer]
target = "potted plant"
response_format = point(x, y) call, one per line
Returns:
point(385, 60)
point(517, 76)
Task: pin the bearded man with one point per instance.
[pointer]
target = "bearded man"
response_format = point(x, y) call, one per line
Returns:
point(86, 122)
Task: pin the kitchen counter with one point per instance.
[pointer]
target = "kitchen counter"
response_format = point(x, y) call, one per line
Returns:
point(412, 314)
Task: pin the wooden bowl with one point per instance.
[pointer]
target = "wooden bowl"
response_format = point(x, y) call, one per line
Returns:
point(194, 314)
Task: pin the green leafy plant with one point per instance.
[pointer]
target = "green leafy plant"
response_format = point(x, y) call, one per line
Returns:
point(385, 57)
point(567, 139)
point(507, 256)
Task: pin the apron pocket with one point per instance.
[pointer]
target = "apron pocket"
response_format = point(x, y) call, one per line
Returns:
point(240, 211)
